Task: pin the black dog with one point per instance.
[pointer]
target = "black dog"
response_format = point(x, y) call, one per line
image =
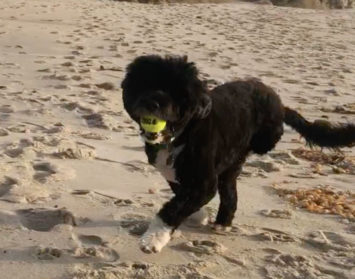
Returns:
point(209, 135)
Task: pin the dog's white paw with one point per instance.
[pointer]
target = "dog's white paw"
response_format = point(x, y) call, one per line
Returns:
point(156, 237)
point(198, 219)
point(221, 229)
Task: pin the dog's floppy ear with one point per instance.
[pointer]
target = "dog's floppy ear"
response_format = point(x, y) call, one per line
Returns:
point(204, 106)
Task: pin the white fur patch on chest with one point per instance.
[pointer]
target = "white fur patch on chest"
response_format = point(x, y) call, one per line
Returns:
point(164, 162)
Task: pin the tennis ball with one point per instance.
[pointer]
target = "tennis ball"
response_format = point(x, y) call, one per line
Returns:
point(152, 124)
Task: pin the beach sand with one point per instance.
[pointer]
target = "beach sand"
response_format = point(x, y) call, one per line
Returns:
point(76, 191)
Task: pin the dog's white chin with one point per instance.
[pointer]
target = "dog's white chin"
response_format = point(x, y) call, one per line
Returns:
point(156, 237)
point(158, 140)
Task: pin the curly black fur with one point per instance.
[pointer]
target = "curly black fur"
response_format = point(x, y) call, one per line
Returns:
point(321, 132)
point(217, 129)
point(148, 76)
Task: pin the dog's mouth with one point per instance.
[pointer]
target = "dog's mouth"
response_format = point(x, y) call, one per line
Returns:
point(166, 115)
point(163, 137)
point(154, 130)
point(162, 110)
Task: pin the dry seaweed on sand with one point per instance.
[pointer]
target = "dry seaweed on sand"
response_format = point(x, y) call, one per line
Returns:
point(318, 156)
point(323, 200)
point(340, 163)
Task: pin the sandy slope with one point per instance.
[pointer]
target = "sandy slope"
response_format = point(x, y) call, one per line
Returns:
point(65, 141)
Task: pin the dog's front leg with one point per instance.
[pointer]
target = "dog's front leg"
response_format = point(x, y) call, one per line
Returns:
point(156, 237)
point(174, 212)
point(197, 219)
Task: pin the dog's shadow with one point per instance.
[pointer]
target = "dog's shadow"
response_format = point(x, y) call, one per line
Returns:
point(133, 148)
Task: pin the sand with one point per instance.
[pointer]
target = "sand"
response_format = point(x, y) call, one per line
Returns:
point(76, 191)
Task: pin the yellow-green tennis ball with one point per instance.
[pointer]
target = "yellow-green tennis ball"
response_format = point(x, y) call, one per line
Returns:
point(152, 124)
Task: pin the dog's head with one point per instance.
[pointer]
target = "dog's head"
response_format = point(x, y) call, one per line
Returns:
point(166, 87)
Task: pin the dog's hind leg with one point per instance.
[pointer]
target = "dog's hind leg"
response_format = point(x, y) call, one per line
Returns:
point(198, 219)
point(227, 189)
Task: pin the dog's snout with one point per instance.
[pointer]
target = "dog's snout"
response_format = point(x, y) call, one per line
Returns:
point(154, 102)
point(152, 105)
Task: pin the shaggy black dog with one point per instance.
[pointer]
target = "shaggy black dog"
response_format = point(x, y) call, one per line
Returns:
point(208, 135)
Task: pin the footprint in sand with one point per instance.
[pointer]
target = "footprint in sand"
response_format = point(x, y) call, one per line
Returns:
point(284, 157)
point(266, 165)
point(103, 121)
point(7, 109)
point(47, 140)
point(6, 185)
point(84, 71)
point(85, 85)
point(26, 192)
point(202, 247)
point(135, 224)
point(44, 171)
point(56, 76)
point(9, 219)
point(17, 185)
point(47, 253)
point(123, 202)
point(282, 265)
point(102, 197)
point(98, 253)
point(43, 219)
point(68, 64)
point(91, 240)
point(94, 247)
point(21, 149)
point(90, 135)
point(69, 57)
point(88, 246)
point(139, 166)
point(325, 240)
point(71, 106)
point(341, 259)
point(44, 70)
point(20, 128)
point(274, 236)
point(75, 151)
point(277, 213)
point(76, 77)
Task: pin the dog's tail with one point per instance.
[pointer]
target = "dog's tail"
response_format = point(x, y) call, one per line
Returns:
point(321, 132)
